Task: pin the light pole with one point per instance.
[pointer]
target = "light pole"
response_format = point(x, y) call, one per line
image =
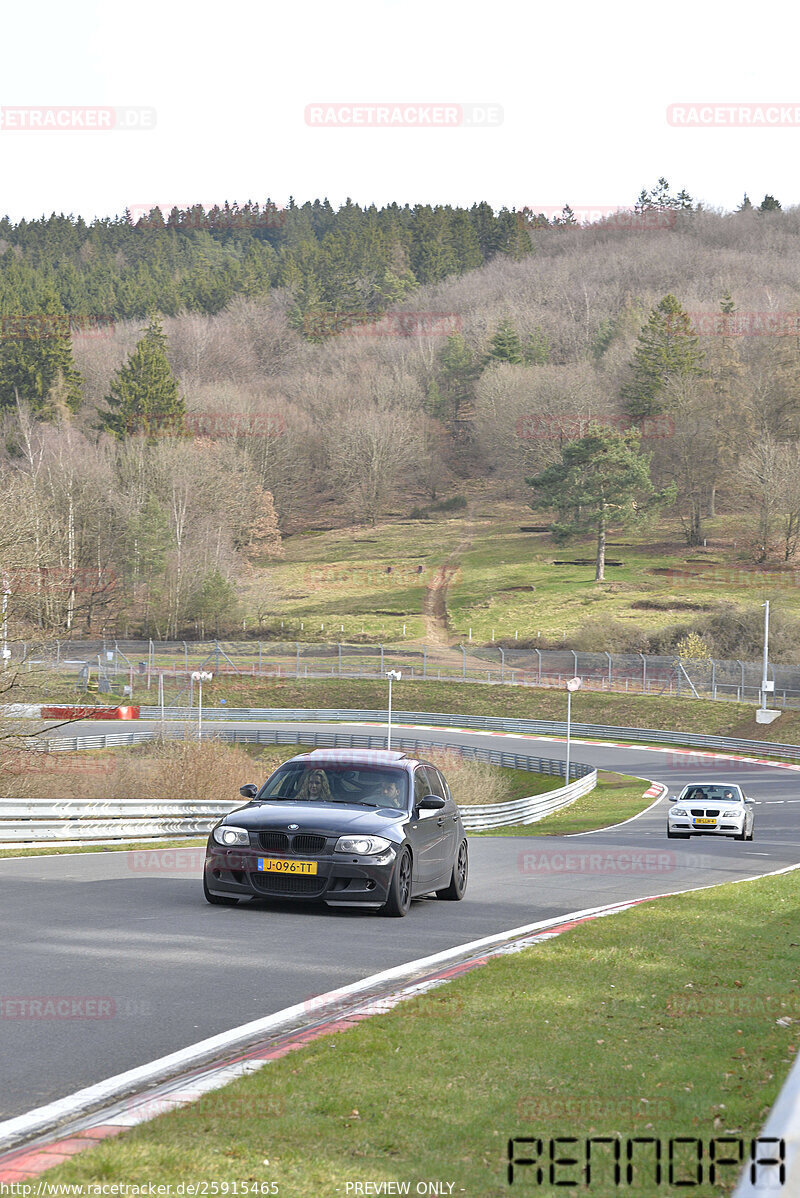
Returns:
point(766, 657)
point(393, 676)
point(573, 684)
point(200, 676)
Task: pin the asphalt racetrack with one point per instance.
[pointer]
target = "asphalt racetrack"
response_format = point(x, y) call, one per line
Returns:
point(152, 968)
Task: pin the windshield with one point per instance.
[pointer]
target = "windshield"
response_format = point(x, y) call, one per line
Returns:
point(711, 794)
point(366, 786)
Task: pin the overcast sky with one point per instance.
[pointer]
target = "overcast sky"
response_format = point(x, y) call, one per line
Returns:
point(577, 99)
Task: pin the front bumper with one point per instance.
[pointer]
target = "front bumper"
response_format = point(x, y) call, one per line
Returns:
point(341, 879)
point(723, 827)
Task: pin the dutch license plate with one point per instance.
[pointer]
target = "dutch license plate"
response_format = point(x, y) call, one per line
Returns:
point(279, 865)
point(704, 820)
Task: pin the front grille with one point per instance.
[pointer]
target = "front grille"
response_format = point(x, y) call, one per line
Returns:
point(287, 884)
point(308, 844)
point(703, 811)
point(303, 844)
point(275, 841)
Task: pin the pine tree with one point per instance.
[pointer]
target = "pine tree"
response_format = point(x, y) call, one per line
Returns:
point(769, 204)
point(458, 373)
point(667, 348)
point(746, 204)
point(144, 396)
point(537, 351)
point(601, 481)
point(36, 363)
point(505, 345)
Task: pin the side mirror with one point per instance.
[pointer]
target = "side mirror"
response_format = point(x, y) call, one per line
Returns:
point(249, 791)
point(748, 800)
point(431, 803)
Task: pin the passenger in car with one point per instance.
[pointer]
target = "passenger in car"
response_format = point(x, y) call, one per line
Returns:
point(314, 786)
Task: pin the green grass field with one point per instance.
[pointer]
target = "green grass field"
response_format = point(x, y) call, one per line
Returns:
point(625, 1027)
point(370, 582)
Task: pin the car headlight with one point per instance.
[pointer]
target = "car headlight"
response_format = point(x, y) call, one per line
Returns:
point(230, 836)
point(677, 811)
point(735, 811)
point(363, 846)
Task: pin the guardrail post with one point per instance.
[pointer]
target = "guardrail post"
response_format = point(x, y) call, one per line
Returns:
point(502, 664)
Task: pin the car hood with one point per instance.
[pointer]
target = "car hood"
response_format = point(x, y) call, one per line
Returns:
point(332, 818)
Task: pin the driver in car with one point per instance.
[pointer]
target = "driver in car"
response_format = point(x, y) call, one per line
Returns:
point(390, 793)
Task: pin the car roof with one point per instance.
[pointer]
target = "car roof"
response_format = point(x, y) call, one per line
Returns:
point(384, 757)
point(712, 782)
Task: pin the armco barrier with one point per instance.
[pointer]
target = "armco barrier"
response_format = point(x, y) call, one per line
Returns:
point(496, 815)
point(484, 723)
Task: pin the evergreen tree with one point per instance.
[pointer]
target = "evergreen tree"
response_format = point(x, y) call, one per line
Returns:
point(144, 396)
point(769, 204)
point(505, 345)
point(601, 481)
point(216, 600)
point(459, 370)
point(667, 348)
point(746, 204)
point(537, 351)
point(36, 361)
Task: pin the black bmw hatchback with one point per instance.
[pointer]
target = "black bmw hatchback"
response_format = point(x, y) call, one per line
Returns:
point(347, 827)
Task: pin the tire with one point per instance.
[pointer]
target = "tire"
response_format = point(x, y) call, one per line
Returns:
point(399, 900)
point(741, 835)
point(218, 900)
point(459, 877)
point(752, 830)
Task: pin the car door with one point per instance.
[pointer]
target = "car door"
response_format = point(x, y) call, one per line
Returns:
point(426, 833)
point(449, 815)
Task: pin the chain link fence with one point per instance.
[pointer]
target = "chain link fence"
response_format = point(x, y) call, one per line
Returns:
point(110, 665)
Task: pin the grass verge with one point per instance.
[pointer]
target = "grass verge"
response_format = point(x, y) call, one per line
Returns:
point(615, 798)
point(513, 702)
point(52, 851)
point(679, 1018)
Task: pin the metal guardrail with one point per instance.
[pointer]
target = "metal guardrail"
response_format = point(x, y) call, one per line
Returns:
point(486, 723)
point(489, 815)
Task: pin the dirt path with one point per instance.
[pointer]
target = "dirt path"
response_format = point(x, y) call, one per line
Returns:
point(434, 605)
